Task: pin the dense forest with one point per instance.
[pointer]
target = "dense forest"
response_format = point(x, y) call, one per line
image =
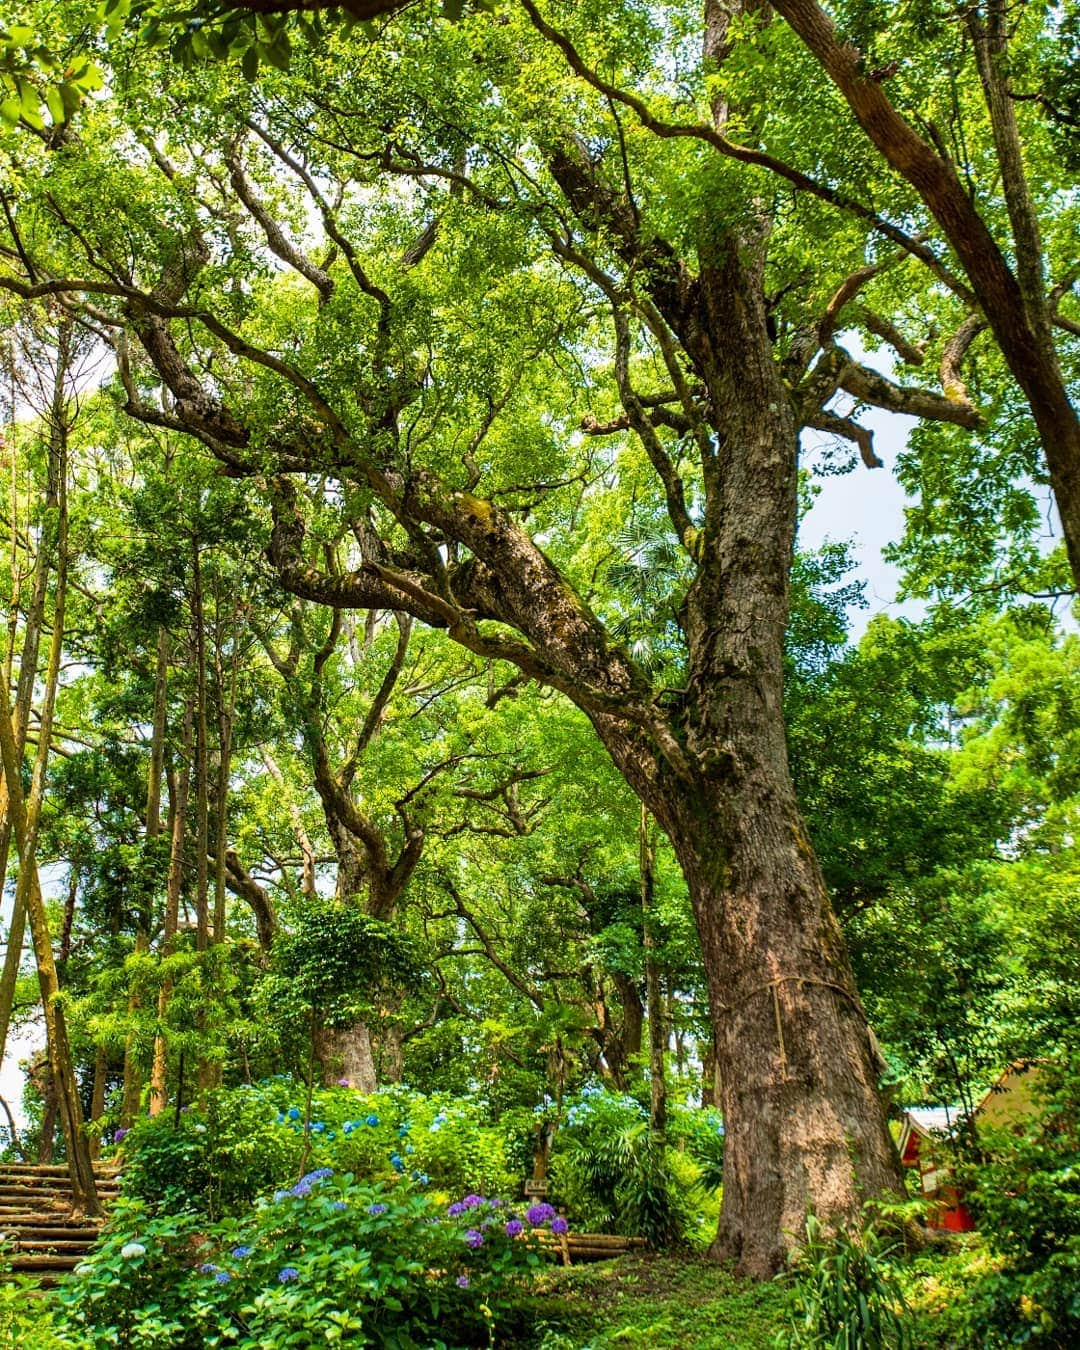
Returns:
point(447, 822)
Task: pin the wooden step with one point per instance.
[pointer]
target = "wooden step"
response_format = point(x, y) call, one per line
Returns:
point(66, 1261)
point(73, 1245)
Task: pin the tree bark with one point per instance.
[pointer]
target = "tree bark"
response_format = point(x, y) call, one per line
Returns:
point(654, 995)
point(25, 818)
point(133, 1075)
point(345, 1054)
point(179, 784)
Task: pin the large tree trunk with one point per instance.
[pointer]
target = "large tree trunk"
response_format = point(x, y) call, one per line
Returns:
point(806, 1129)
point(345, 1056)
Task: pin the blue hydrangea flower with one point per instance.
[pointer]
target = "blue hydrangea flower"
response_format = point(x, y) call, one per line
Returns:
point(397, 1162)
point(222, 1277)
point(371, 1120)
point(208, 1268)
point(288, 1275)
point(376, 1210)
point(339, 1204)
point(294, 1113)
point(240, 1252)
point(403, 1129)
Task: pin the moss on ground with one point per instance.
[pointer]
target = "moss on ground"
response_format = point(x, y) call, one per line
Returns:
point(660, 1302)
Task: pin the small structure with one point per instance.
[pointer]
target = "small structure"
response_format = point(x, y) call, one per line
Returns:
point(924, 1135)
point(926, 1131)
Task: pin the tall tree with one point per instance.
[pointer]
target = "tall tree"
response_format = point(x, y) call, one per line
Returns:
point(406, 388)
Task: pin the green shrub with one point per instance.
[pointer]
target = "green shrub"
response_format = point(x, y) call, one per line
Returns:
point(1026, 1199)
point(611, 1176)
point(328, 1259)
point(239, 1142)
point(846, 1295)
point(25, 1324)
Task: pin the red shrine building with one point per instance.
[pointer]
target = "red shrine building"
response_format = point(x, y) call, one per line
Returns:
point(925, 1132)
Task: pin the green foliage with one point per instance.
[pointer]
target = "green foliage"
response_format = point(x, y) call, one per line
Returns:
point(24, 1324)
point(237, 1143)
point(612, 1176)
point(356, 1264)
point(1026, 1198)
point(337, 958)
point(847, 1295)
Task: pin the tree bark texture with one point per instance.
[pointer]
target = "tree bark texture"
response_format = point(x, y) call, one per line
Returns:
point(345, 1053)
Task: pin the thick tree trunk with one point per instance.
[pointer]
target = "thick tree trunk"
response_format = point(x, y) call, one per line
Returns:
point(345, 1055)
point(806, 1128)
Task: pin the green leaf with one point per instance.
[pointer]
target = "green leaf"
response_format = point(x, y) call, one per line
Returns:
point(250, 63)
point(54, 99)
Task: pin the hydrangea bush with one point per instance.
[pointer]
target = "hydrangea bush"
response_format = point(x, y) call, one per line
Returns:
point(329, 1258)
point(234, 1145)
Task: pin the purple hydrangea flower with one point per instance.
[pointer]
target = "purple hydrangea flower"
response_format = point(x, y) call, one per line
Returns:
point(376, 1210)
point(207, 1268)
point(559, 1225)
point(473, 1238)
point(538, 1214)
point(472, 1201)
point(514, 1228)
point(240, 1252)
point(462, 1281)
point(120, 1133)
point(455, 1209)
point(288, 1275)
point(343, 1082)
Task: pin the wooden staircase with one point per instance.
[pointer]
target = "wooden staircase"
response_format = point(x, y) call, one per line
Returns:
point(36, 1219)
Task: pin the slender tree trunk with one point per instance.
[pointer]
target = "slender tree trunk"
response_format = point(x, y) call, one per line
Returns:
point(26, 819)
point(50, 1111)
point(179, 784)
point(653, 992)
point(97, 1096)
point(24, 694)
point(133, 1077)
point(226, 722)
point(202, 822)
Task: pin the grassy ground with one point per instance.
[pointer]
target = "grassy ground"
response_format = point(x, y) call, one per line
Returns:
point(663, 1303)
point(682, 1303)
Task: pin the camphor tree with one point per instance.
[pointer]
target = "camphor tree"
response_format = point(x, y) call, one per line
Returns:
point(427, 287)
